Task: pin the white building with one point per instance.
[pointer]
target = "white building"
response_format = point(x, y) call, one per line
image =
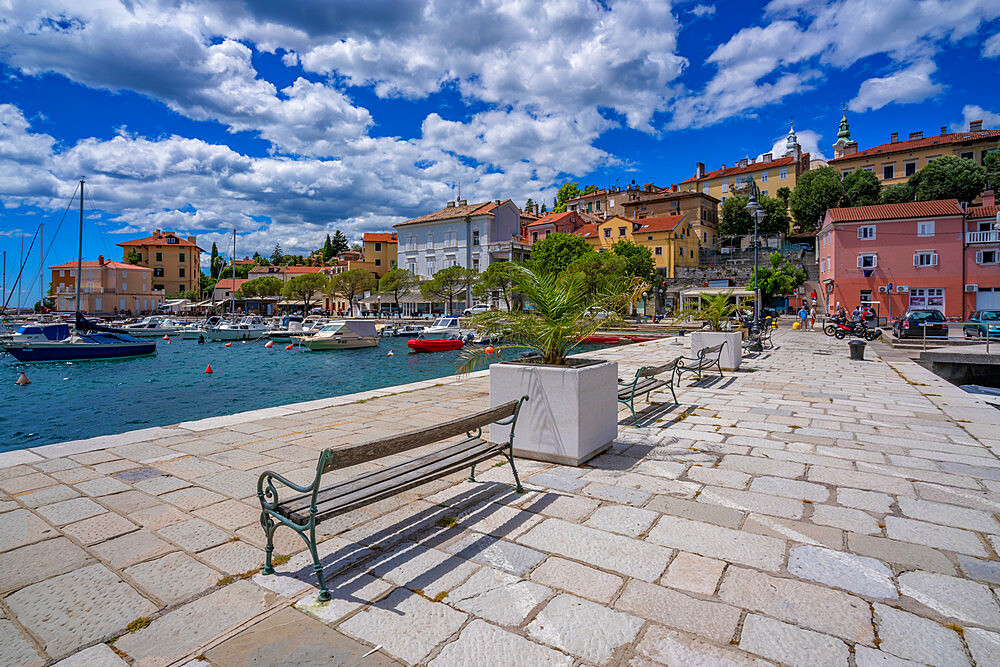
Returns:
point(461, 234)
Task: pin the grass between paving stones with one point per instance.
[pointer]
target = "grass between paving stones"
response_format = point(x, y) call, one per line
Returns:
point(138, 624)
point(446, 522)
point(230, 578)
point(111, 645)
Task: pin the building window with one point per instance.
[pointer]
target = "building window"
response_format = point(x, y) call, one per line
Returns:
point(475, 263)
point(180, 272)
point(723, 197)
point(929, 297)
point(925, 228)
point(704, 188)
point(411, 243)
point(988, 257)
point(411, 267)
point(888, 171)
point(910, 168)
point(725, 185)
point(866, 232)
point(865, 296)
point(534, 236)
point(844, 173)
point(159, 257)
point(680, 251)
point(430, 241)
point(378, 262)
point(867, 260)
point(621, 232)
point(649, 238)
point(869, 169)
point(611, 203)
point(475, 237)
point(378, 246)
point(158, 272)
point(925, 258)
point(658, 251)
point(970, 155)
point(125, 273)
point(783, 173)
point(932, 158)
point(597, 205)
point(763, 177)
point(607, 232)
point(590, 207)
point(430, 267)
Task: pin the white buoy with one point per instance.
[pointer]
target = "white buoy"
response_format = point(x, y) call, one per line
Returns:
point(390, 353)
point(22, 380)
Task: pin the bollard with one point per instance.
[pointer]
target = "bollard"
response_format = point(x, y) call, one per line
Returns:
point(857, 348)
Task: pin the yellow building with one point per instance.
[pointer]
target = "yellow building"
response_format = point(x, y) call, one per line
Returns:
point(175, 261)
point(770, 174)
point(107, 287)
point(897, 160)
point(671, 239)
point(380, 250)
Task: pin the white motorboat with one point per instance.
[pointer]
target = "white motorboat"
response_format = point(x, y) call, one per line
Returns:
point(443, 328)
point(343, 335)
point(250, 327)
point(408, 330)
point(153, 326)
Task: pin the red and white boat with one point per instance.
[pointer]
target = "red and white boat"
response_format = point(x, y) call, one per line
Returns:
point(435, 344)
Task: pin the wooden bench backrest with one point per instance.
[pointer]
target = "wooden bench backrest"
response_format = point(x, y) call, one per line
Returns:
point(332, 459)
point(705, 351)
point(651, 371)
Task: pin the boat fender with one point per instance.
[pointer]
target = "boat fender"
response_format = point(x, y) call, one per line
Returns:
point(169, 342)
point(228, 345)
point(289, 346)
point(166, 337)
point(201, 339)
point(22, 380)
point(490, 350)
point(208, 369)
point(269, 344)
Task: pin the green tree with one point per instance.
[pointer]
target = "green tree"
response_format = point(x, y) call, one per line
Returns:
point(339, 243)
point(276, 255)
point(861, 188)
point(898, 193)
point(776, 219)
point(215, 263)
point(949, 177)
point(263, 287)
point(781, 277)
point(590, 188)
point(445, 285)
point(259, 260)
point(991, 163)
point(568, 190)
point(190, 295)
point(736, 219)
point(529, 205)
point(557, 251)
point(783, 193)
point(600, 270)
point(638, 260)
point(133, 256)
point(208, 283)
point(304, 287)
point(327, 249)
point(242, 271)
point(816, 191)
point(498, 278)
point(350, 285)
point(395, 283)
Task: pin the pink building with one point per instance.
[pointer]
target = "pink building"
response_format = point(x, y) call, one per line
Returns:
point(567, 223)
point(928, 254)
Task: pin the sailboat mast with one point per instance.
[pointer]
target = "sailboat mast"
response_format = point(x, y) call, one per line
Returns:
point(17, 283)
point(79, 254)
point(41, 267)
point(232, 292)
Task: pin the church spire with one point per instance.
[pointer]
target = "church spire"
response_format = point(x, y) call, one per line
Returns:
point(844, 135)
point(792, 142)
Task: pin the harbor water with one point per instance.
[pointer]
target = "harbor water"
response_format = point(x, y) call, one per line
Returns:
point(70, 401)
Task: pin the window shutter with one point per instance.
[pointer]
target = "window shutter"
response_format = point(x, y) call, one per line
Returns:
point(916, 259)
point(934, 258)
point(859, 232)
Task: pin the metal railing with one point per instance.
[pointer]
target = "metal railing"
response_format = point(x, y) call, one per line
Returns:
point(992, 236)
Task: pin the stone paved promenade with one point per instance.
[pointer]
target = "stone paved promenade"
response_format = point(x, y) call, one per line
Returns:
point(811, 511)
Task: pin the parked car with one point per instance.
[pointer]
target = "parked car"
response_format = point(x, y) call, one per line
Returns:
point(912, 323)
point(476, 308)
point(983, 323)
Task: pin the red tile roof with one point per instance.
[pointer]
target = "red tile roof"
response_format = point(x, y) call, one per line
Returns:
point(983, 211)
point(553, 218)
point(385, 237)
point(302, 269)
point(93, 264)
point(925, 142)
point(664, 223)
point(588, 231)
point(230, 283)
point(449, 212)
point(910, 209)
point(159, 239)
point(754, 166)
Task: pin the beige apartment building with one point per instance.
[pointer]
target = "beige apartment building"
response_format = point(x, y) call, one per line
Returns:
point(107, 288)
point(380, 250)
point(175, 261)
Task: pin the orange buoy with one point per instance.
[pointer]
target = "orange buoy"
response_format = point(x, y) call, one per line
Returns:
point(490, 350)
point(289, 346)
point(228, 345)
point(166, 337)
point(208, 369)
point(169, 342)
point(269, 344)
point(22, 379)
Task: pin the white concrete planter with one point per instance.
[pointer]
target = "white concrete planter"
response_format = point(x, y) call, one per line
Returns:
point(732, 353)
point(571, 414)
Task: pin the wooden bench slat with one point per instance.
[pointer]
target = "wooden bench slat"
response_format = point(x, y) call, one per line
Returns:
point(349, 456)
point(375, 477)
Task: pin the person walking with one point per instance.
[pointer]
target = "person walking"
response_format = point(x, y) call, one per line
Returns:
point(803, 317)
point(812, 317)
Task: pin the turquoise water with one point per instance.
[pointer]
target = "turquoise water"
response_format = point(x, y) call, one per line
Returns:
point(67, 401)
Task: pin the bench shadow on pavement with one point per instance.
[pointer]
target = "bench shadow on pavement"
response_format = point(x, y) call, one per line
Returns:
point(393, 546)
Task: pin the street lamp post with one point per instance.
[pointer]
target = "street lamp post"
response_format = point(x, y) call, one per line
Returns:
point(758, 213)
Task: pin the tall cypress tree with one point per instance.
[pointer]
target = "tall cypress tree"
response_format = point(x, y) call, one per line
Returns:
point(339, 243)
point(327, 248)
point(215, 264)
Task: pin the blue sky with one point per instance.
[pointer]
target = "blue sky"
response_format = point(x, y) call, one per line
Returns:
point(288, 120)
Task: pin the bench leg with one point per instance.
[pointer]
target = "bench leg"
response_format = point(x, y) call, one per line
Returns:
point(269, 525)
point(324, 593)
point(472, 473)
point(517, 480)
point(671, 385)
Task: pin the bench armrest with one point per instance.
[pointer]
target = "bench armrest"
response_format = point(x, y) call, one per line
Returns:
point(268, 494)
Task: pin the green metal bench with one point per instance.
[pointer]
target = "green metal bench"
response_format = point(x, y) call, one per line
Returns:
point(706, 358)
point(315, 504)
point(647, 379)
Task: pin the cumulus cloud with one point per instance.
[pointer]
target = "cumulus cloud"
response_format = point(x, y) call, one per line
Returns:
point(909, 85)
point(703, 10)
point(808, 140)
point(972, 112)
point(991, 47)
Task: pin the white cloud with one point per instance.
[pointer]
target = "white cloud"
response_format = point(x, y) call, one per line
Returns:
point(991, 47)
point(972, 112)
point(703, 10)
point(906, 86)
point(808, 140)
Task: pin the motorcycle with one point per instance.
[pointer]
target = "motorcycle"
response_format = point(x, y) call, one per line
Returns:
point(856, 330)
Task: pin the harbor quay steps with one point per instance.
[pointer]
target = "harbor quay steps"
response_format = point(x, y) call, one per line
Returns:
point(808, 509)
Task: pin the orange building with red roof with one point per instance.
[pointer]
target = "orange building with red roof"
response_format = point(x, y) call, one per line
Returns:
point(672, 239)
point(380, 250)
point(107, 287)
point(175, 260)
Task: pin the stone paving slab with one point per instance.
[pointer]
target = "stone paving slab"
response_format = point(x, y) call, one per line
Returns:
point(767, 518)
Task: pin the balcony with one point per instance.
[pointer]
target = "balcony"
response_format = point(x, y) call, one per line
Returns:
point(992, 236)
point(504, 249)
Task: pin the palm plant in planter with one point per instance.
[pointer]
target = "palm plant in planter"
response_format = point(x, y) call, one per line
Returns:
point(571, 414)
point(715, 310)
